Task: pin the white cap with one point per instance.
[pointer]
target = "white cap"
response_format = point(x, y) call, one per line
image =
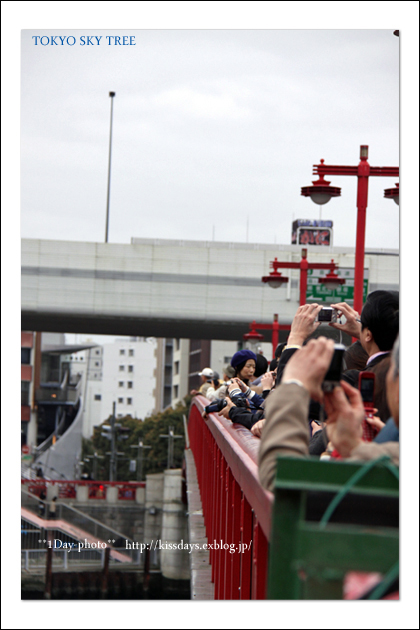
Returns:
point(206, 372)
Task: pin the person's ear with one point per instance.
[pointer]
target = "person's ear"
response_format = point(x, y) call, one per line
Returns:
point(369, 336)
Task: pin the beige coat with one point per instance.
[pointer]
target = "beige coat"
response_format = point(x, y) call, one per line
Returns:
point(286, 433)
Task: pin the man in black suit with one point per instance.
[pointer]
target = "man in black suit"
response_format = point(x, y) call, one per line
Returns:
point(377, 327)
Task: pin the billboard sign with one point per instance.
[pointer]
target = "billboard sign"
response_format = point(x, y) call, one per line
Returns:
point(345, 293)
point(312, 232)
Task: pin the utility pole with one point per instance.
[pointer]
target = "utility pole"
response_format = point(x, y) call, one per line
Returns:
point(140, 448)
point(112, 466)
point(95, 458)
point(111, 94)
point(171, 437)
point(110, 435)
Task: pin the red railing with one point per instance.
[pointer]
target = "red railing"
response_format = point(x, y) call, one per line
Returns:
point(236, 508)
point(97, 489)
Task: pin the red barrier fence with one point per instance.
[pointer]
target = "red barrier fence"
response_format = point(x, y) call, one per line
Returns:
point(236, 509)
point(97, 489)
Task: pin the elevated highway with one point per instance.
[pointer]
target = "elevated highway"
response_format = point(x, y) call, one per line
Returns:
point(165, 288)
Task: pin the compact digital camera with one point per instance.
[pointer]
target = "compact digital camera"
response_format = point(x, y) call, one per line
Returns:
point(333, 376)
point(327, 314)
point(215, 406)
point(239, 401)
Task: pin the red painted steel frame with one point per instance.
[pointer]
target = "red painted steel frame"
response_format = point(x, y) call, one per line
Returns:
point(303, 265)
point(236, 509)
point(363, 171)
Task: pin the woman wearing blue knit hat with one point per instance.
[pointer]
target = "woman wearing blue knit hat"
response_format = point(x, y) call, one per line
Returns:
point(244, 363)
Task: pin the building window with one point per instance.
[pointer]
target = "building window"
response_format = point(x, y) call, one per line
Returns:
point(120, 383)
point(25, 356)
point(175, 391)
point(24, 392)
point(120, 401)
point(97, 363)
point(122, 351)
point(176, 344)
point(129, 401)
point(97, 352)
point(122, 368)
point(131, 353)
point(227, 360)
point(176, 367)
point(130, 384)
point(97, 397)
point(131, 368)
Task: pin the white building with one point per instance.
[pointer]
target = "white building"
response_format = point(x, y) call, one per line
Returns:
point(120, 372)
point(128, 377)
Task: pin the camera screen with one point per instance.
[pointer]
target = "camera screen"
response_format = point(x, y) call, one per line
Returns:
point(325, 315)
point(366, 389)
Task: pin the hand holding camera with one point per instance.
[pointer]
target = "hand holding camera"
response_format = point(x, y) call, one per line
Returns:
point(267, 380)
point(236, 382)
point(352, 325)
point(345, 417)
point(310, 365)
point(226, 408)
point(304, 323)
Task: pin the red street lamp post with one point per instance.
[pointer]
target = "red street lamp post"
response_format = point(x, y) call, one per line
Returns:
point(275, 279)
point(363, 171)
point(253, 336)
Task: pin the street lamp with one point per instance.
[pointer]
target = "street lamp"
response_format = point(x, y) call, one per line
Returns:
point(332, 280)
point(393, 193)
point(363, 171)
point(275, 279)
point(321, 191)
point(274, 327)
point(253, 338)
point(111, 94)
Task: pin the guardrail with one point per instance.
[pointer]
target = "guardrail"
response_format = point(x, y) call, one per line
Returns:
point(63, 560)
point(236, 508)
point(67, 519)
point(96, 489)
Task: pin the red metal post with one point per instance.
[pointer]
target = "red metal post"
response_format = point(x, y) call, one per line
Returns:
point(304, 265)
point(246, 557)
point(362, 200)
point(259, 563)
point(220, 583)
point(227, 537)
point(214, 557)
point(275, 334)
point(236, 537)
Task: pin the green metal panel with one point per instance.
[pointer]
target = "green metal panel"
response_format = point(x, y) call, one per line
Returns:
point(309, 562)
point(313, 474)
point(348, 548)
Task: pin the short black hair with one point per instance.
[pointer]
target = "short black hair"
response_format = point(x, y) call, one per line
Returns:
point(381, 315)
point(260, 366)
point(279, 349)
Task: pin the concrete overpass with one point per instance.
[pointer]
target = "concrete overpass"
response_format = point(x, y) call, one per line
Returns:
point(165, 288)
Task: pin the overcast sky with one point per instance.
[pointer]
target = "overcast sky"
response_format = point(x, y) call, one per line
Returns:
point(210, 127)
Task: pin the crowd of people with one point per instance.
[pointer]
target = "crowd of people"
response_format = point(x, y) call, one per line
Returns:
point(289, 407)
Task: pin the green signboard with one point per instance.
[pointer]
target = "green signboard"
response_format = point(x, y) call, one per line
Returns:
point(321, 293)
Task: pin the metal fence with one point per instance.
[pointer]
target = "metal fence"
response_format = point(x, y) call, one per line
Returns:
point(236, 508)
point(64, 559)
point(77, 519)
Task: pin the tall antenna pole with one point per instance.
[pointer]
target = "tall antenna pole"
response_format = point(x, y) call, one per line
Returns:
point(111, 94)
